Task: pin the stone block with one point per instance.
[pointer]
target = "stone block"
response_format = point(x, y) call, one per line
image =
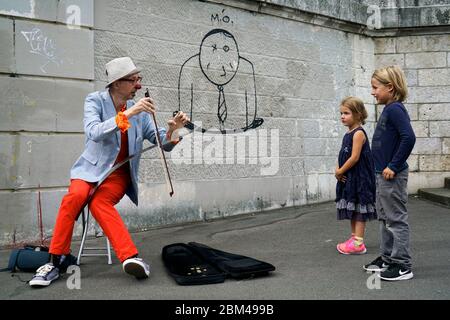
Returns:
point(411, 77)
point(320, 164)
point(330, 129)
point(438, 111)
point(320, 187)
point(390, 18)
point(28, 161)
point(40, 10)
point(446, 146)
point(426, 3)
point(409, 44)
point(409, 17)
point(279, 107)
point(19, 216)
point(318, 109)
point(53, 50)
point(7, 64)
point(420, 128)
point(426, 60)
point(413, 163)
point(427, 146)
point(321, 146)
point(308, 128)
point(364, 94)
point(291, 147)
point(439, 42)
point(318, 129)
point(330, 8)
point(420, 180)
point(365, 44)
point(434, 163)
point(413, 110)
point(389, 59)
point(286, 127)
point(385, 45)
point(363, 66)
point(435, 94)
point(357, 12)
point(31, 104)
point(440, 129)
point(109, 44)
point(434, 77)
point(435, 15)
point(327, 187)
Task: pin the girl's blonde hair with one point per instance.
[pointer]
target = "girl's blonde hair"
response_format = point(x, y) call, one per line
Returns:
point(357, 108)
point(393, 75)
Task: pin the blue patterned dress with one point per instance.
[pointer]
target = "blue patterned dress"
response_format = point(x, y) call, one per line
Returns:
point(355, 198)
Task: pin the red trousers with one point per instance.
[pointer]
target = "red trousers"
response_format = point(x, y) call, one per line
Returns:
point(102, 208)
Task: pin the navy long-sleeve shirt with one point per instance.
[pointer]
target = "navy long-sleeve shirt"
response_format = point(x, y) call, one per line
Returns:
point(393, 139)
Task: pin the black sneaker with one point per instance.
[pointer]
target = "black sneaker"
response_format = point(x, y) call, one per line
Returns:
point(377, 265)
point(396, 272)
point(44, 276)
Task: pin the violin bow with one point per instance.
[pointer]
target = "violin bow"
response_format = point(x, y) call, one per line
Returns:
point(161, 152)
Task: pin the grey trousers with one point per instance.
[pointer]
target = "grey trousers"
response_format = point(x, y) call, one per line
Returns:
point(392, 197)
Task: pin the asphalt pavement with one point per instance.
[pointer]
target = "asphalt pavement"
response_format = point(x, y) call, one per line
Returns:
point(300, 242)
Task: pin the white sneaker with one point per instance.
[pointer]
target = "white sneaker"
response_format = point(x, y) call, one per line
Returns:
point(136, 267)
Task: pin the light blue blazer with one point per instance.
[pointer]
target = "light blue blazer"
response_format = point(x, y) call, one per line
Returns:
point(102, 140)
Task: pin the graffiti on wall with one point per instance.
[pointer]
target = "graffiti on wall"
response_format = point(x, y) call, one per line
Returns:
point(44, 46)
point(219, 68)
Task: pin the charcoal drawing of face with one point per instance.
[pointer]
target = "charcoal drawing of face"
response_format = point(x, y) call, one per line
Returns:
point(219, 56)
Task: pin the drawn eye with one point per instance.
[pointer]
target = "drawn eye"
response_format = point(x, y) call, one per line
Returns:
point(214, 46)
point(226, 48)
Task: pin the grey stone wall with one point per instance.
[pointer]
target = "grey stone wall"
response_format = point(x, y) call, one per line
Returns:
point(301, 71)
point(426, 64)
point(307, 56)
point(46, 70)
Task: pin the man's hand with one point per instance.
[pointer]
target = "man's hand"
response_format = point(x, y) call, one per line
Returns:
point(388, 174)
point(143, 105)
point(177, 122)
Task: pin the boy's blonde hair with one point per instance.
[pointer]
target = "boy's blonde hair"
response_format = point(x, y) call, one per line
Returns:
point(393, 75)
point(357, 108)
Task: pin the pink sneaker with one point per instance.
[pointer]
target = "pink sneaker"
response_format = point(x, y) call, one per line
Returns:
point(349, 247)
point(350, 239)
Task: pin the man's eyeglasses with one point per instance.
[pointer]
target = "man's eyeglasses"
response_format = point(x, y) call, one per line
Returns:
point(134, 81)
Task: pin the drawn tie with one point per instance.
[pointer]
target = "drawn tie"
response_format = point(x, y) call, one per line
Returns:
point(222, 110)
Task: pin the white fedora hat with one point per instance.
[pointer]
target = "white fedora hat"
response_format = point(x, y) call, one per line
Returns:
point(119, 68)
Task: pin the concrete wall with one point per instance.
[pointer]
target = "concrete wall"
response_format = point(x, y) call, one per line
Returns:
point(302, 72)
point(307, 56)
point(425, 60)
point(46, 70)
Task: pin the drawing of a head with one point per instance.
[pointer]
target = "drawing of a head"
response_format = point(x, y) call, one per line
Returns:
point(219, 56)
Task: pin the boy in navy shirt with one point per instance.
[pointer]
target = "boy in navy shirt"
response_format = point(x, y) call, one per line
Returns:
point(392, 143)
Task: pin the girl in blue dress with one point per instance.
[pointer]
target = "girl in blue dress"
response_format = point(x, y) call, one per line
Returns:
point(355, 189)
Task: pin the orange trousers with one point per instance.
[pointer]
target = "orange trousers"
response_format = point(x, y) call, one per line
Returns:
point(102, 208)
